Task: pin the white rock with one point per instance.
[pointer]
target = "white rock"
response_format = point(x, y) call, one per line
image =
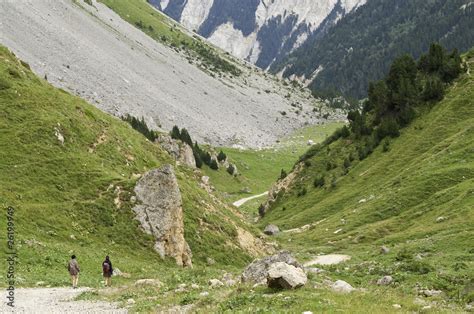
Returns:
point(397, 306)
point(204, 294)
point(130, 301)
point(215, 283)
point(283, 275)
point(342, 287)
point(385, 281)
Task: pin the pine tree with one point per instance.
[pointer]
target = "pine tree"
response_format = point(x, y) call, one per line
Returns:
point(175, 134)
point(221, 156)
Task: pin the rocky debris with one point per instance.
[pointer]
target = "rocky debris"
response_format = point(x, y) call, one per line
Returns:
point(195, 286)
point(180, 151)
point(342, 287)
point(284, 276)
point(233, 169)
point(396, 306)
point(117, 272)
point(271, 230)
point(246, 190)
point(441, 219)
point(58, 134)
point(204, 294)
point(148, 282)
point(130, 301)
point(314, 270)
point(310, 142)
point(228, 280)
point(40, 283)
point(205, 180)
point(257, 271)
point(385, 281)
point(431, 293)
point(329, 259)
point(384, 250)
point(210, 261)
point(160, 213)
point(215, 283)
point(251, 244)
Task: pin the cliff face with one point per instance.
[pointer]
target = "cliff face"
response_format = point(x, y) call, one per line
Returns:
point(260, 31)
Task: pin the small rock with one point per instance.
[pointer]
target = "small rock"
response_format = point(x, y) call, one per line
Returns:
point(148, 282)
point(271, 230)
point(310, 143)
point(364, 200)
point(215, 283)
point(230, 282)
point(246, 190)
point(431, 293)
point(307, 312)
point(314, 270)
point(385, 281)
point(426, 307)
point(205, 180)
point(117, 272)
point(133, 199)
point(40, 283)
point(72, 237)
point(130, 301)
point(441, 219)
point(195, 286)
point(384, 250)
point(283, 275)
point(342, 287)
point(204, 294)
point(397, 306)
point(210, 261)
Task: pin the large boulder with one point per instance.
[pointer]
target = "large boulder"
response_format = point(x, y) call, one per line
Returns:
point(284, 276)
point(257, 271)
point(160, 212)
point(180, 151)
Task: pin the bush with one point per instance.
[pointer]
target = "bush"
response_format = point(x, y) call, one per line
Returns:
point(347, 163)
point(283, 174)
point(386, 146)
point(197, 152)
point(319, 182)
point(388, 127)
point(140, 126)
point(213, 165)
point(231, 169)
point(221, 156)
point(4, 84)
point(302, 192)
point(433, 89)
point(175, 133)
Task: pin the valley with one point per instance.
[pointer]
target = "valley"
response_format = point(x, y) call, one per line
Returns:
point(215, 186)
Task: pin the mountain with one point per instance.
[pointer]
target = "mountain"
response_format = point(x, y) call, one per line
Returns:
point(125, 57)
point(360, 47)
point(259, 31)
point(404, 210)
point(72, 171)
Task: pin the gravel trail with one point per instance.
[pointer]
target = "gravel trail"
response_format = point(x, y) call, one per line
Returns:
point(55, 300)
point(245, 200)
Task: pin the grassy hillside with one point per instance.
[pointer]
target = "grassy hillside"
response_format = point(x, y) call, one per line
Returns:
point(75, 197)
point(414, 195)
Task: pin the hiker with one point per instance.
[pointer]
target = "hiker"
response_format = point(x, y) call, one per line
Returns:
point(107, 271)
point(73, 268)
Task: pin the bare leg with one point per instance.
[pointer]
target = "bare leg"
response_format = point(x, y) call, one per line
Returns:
point(76, 280)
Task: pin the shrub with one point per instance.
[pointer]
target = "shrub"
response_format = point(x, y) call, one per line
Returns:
point(141, 126)
point(347, 163)
point(386, 146)
point(175, 133)
point(261, 210)
point(4, 84)
point(302, 192)
point(231, 169)
point(319, 182)
point(388, 127)
point(213, 165)
point(221, 156)
point(283, 174)
point(433, 89)
point(307, 163)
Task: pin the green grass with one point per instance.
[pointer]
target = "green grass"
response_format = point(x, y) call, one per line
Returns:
point(64, 195)
point(260, 168)
point(428, 172)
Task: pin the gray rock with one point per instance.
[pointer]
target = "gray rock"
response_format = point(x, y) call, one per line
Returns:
point(271, 230)
point(148, 282)
point(385, 281)
point(160, 213)
point(180, 151)
point(204, 294)
point(384, 250)
point(215, 283)
point(342, 287)
point(441, 219)
point(431, 293)
point(257, 271)
point(210, 261)
point(314, 270)
point(282, 275)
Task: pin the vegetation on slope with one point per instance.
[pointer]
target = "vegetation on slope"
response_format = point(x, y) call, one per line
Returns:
point(360, 48)
point(69, 170)
point(414, 195)
point(159, 27)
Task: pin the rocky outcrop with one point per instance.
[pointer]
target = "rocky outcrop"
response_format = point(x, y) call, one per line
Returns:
point(181, 152)
point(159, 210)
point(284, 276)
point(257, 271)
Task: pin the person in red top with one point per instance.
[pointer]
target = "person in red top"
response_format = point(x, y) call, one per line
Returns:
point(107, 271)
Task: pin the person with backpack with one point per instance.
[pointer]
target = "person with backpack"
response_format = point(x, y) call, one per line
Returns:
point(73, 268)
point(107, 271)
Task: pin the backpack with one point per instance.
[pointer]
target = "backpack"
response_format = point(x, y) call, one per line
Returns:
point(105, 267)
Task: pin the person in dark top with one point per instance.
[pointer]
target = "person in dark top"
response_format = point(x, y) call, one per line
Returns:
point(107, 271)
point(73, 268)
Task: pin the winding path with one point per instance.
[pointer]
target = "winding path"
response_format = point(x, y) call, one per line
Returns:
point(245, 200)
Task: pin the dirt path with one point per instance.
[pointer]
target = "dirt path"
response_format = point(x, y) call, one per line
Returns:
point(245, 200)
point(55, 300)
point(330, 259)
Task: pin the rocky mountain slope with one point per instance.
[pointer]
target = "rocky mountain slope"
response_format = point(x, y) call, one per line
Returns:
point(360, 48)
point(260, 31)
point(139, 62)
